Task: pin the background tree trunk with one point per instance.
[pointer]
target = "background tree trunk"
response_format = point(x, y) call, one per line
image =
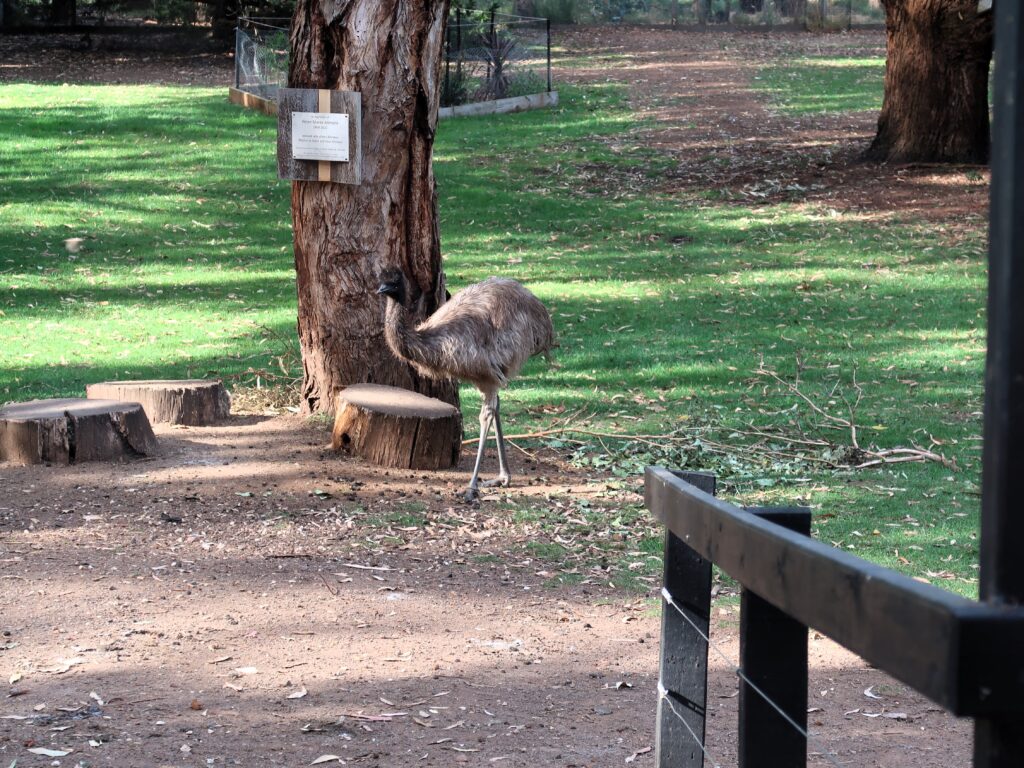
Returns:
point(935, 107)
point(63, 12)
point(389, 51)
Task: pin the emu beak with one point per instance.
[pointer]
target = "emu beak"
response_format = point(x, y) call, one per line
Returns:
point(382, 289)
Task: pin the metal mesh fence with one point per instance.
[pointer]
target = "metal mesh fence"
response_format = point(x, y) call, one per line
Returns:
point(491, 55)
point(487, 56)
point(807, 14)
point(801, 14)
point(261, 56)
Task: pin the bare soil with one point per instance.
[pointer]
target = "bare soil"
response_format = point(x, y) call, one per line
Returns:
point(250, 598)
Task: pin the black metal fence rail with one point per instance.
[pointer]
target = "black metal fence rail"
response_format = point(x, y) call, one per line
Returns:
point(966, 656)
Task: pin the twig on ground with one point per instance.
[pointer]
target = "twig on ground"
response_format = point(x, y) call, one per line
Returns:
point(834, 420)
point(334, 592)
point(899, 455)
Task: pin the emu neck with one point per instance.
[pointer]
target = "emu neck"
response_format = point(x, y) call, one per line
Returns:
point(397, 332)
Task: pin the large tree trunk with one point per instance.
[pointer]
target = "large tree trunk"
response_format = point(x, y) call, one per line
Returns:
point(389, 51)
point(63, 12)
point(935, 107)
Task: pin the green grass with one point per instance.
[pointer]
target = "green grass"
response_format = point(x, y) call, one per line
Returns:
point(185, 267)
point(668, 308)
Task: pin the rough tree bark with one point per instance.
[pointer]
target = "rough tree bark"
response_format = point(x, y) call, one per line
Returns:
point(389, 51)
point(935, 107)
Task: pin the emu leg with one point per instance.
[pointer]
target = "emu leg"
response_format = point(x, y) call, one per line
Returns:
point(486, 417)
point(504, 477)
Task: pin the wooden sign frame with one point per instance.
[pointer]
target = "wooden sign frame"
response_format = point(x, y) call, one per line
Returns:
point(291, 100)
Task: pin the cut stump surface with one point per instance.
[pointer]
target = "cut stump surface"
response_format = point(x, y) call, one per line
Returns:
point(194, 402)
point(73, 430)
point(394, 427)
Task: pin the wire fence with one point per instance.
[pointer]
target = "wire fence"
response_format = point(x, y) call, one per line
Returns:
point(490, 56)
point(261, 56)
point(966, 654)
point(487, 56)
point(664, 694)
point(802, 14)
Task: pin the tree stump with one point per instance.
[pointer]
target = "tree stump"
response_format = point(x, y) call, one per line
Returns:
point(74, 430)
point(195, 402)
point(394, 427)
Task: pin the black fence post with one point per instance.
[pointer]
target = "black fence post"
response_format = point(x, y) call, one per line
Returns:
point(238, 54)
point(683, 681)
point(492, 43)
point(447, 64)
point(458, 30)
point(548, 25)
point(999, 742)
point(773, 656)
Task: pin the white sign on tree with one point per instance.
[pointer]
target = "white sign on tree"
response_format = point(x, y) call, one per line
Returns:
point(320, 136)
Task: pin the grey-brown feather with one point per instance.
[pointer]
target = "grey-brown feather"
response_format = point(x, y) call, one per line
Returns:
point(483, 334)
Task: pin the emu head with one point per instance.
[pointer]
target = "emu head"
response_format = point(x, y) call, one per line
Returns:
point(392, 284)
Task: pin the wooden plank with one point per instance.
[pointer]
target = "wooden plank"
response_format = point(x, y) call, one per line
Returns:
point(909, 629)
point(684, 652)
point(291, 100)
point(773, 656)
point(252, 101)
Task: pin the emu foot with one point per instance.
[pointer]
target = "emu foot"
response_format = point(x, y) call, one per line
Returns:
point(501, 481)
point(472, 494)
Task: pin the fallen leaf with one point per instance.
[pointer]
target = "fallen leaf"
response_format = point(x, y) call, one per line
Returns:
point(298, 694)
point(245, 670)
point(14, 678)
point(890, 715)
point(326, 759)
point(50, 752)
point(871, 694)
point(63, 665)
point(382, 718)
point(196, 705)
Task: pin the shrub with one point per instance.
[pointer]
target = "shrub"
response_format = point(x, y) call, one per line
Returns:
point(525, 83)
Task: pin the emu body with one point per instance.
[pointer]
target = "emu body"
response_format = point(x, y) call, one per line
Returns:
point(482, 335)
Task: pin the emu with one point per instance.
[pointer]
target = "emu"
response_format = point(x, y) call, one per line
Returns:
point(483, 334)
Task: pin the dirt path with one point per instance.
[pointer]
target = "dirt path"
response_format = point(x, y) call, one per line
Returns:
point(693, 91)
point(248, 598)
